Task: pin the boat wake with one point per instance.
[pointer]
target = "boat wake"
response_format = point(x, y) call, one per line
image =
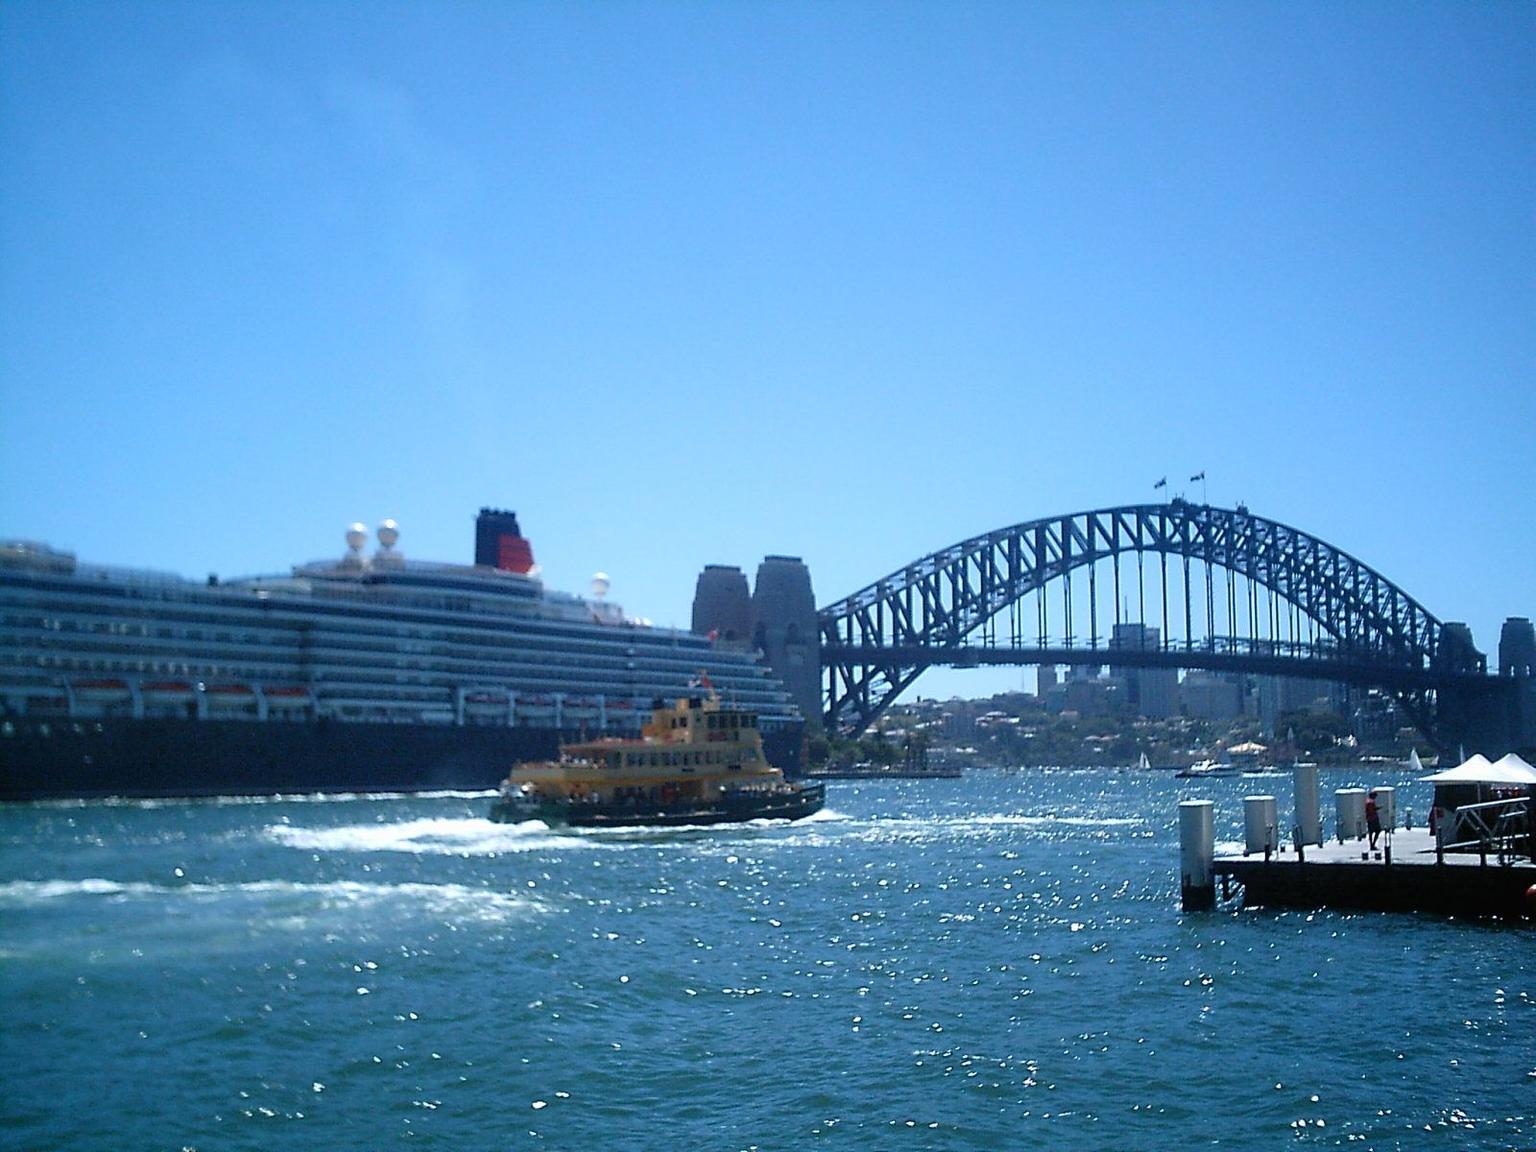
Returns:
point(287, 897)
point(478, 837)
point(150, 803)
point(823, 816)
point(429, 836)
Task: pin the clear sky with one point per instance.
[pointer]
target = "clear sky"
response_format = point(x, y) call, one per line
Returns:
point(696, 282)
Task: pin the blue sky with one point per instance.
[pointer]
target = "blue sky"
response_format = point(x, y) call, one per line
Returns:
point(692, 283)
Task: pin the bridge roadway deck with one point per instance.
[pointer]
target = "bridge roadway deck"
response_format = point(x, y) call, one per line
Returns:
point(1348, 875)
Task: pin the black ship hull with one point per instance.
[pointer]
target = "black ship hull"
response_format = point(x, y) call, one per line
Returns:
point(82, 758)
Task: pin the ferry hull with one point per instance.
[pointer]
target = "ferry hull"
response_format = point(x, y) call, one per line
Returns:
point(80, 758)
point(808, 799)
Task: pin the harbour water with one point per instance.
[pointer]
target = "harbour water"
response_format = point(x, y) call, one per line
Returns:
point(993, 962)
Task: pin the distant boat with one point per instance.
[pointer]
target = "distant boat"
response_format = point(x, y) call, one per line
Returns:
point(1143, 763)
point(1415, 765)
point(1199, 768)
point(1207, 768)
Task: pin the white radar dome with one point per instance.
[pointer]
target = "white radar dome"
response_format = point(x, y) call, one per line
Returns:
point(600, 585)
point(389, 533)
point(357, 536)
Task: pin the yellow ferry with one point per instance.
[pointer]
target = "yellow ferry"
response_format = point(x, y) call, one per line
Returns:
point(696, 762)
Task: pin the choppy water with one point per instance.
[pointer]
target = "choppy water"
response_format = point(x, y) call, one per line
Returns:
point(997, 962)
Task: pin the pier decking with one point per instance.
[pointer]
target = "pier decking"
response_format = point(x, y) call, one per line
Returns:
point(1405, 874)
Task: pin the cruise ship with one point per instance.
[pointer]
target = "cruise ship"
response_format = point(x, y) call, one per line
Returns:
point(358, 674)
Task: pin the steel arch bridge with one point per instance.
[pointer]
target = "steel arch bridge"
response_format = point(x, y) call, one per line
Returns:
point(1271, 598)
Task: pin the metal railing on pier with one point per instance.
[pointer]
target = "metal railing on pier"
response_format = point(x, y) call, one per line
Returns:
point(1498, 828)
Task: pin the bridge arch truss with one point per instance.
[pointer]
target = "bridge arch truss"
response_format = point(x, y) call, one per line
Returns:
point(1245, 593)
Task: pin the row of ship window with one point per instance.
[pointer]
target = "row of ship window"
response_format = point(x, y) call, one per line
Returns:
point(580, 674)
point(342, 679)
point(338, 679)
point(668, 759)
point(359, 633)
point(348, 645)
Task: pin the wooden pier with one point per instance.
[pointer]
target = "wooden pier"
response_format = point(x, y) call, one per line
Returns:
point(1406, 873)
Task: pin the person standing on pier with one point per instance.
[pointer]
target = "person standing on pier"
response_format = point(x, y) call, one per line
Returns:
point(1372, 818)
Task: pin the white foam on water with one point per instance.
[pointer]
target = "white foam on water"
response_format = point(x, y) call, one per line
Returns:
point(36, 891)
point(820, 816)
point(429, 836)
point(253, 801)
point(292, 896)
point(348, 797)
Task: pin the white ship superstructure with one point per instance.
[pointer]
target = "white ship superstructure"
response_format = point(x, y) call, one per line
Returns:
point(360, 641)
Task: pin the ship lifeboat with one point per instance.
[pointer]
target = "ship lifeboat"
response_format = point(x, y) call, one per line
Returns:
point(580, 708)
point(100, 691)
point(536, 707)
point(167, 691)
point(287, 697)
point(485, 704)
point(230, 697)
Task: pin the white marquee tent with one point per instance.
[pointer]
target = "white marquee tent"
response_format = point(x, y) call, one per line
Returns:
point(1509, 770)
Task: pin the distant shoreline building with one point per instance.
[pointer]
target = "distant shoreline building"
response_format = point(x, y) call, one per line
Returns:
point(1152, 692)
point(777, 618)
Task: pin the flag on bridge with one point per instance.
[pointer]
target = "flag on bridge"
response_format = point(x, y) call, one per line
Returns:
point(1163, 483)
point(1197, 476)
